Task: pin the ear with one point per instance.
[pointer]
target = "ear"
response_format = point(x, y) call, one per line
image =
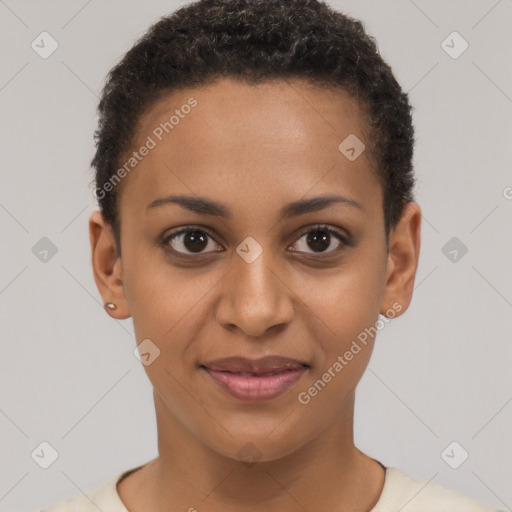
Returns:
point(107, 266)
point(403, 256)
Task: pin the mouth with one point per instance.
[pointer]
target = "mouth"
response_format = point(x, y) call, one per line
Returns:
point(255, 380)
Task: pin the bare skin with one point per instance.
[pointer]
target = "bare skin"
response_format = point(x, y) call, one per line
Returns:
point(254, 149)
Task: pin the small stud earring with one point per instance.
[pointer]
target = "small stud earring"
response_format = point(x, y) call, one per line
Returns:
point(110, 305)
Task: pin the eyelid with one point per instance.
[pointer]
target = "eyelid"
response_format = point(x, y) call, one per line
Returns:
point(344, 237)
point(187, 228)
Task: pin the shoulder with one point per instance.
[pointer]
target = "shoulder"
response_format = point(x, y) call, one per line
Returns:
point(103, 497)
point(409, 494)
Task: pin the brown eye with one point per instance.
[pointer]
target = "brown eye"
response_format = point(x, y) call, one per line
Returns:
point(190, 240)
point(320, 239)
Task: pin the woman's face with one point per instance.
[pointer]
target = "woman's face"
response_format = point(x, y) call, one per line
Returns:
point(251, 277)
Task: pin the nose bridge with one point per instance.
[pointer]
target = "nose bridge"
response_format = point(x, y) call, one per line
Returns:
point(254, 298)
point(256, 278)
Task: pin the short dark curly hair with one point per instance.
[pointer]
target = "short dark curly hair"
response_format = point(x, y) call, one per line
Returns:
point(255, 41)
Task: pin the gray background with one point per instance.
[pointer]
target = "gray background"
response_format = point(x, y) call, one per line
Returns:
point(440, 373)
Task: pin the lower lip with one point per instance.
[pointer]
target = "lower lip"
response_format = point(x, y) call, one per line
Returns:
point(256, 389)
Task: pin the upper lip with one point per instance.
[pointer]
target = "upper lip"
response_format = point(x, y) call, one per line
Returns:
point(264, 365)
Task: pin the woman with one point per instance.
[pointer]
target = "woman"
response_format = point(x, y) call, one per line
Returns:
point(257, 217)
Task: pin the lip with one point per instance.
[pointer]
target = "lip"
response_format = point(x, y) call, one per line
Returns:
point(271, 376)
point(267, 364)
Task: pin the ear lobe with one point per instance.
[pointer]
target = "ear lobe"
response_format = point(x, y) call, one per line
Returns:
point(403, 257)
point(106, 265)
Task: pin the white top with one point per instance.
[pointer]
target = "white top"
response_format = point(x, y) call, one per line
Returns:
point(400, 492)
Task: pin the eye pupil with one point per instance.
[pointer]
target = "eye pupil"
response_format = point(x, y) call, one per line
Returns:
point(195, 241)
point(318, 242)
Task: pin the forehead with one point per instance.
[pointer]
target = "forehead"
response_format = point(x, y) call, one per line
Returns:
point(233, 140)
point(273, 111)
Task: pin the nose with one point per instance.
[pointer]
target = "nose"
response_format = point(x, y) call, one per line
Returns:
point(255, 297)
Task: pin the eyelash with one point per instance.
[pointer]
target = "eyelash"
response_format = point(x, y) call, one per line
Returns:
point(319, 227)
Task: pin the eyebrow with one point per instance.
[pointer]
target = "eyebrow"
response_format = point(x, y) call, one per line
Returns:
point(205, 206)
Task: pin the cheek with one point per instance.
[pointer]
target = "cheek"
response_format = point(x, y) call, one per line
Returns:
point(347, 300)
point(343, 351)
point(169, 307)
point(345, 310)
point(160, 295)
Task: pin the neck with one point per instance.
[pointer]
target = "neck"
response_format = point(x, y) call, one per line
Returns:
point(326, 473)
